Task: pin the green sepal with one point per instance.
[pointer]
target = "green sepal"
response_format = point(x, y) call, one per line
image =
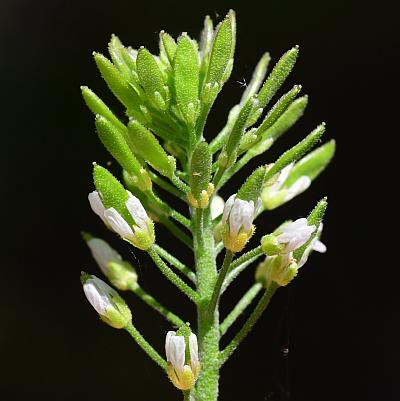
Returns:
point(296, 152)
point(114, 141)
point(167, 45)
point(313, 219)
point(111, 192)
point(252, 187)
point(233, 142)
point(186, 79)
point(278, 109)
point(312, 164)
point(147, 146)
point(151, 78)
point(222, 51)
point(257, 78)
point(270, 245)
point(200, 169)
point(116, 82)
point(289, 117)
point(97, 106)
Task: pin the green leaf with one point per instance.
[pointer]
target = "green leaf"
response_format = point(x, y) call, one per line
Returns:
point(296, 152)
point(116, 82)
point(145, 144)
point(111, 191)
point(277, 77)
point(114, 141)
point(168, 45)
point(257, 78)
point(251, 189)
point(200, 169)
point(313, 219)
point(278, 109)
point(286, 120)
point(97, 106)
point(312, 164)
point(186, 78)
point(151, 78)
point(222, 50)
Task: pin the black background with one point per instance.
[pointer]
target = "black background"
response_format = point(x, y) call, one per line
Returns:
point(338, 319)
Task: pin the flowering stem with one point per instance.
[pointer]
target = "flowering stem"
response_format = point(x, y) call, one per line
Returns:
point(245, 301)
point(149, 300)
point(171, 212)
point(218, 175)
point(171, 276)
point(238, 265)
point(186, 395)
point(220, 280)
point(146, 347)
point(176, 231)
point(208, 325)
point(251, 321)
point(166, 186)
point(175, 262)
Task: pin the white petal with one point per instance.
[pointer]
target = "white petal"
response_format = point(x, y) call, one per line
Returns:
point(96, 296)
point(298, 187)
point(235, 217)
point(294, 226)
point(194, 351)
point(257, 206)
point(227, 209)
point(217, 206)
point(170, 334)
point(276, 186)
point(102, 253)
point(96, 204)
point(117, 223)
point(306, 253)
point(247, 215)
point(136, 210)
point(319, 246)
point(177, 352)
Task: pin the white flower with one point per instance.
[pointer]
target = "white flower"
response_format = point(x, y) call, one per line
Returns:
point(183, 373)
point(103, 254)
point(238, 216)
point(107, 303)
point(276, 194)
point(217, 206)
point(314, 245)
point(294, 235)
point(140, 234)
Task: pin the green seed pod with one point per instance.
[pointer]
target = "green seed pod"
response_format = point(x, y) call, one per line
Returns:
point(145, 144)
point(313, 164)
point(151, 78)
point(186, 78)
point(222, 50)
point(114, 141)
point(251, 189)
point(200, 169)
point(118, 85)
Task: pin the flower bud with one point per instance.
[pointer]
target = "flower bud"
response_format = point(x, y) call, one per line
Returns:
point(120, 273)
point(237, 220)
point(106, 301)
point(182, 356)
point(281, 269)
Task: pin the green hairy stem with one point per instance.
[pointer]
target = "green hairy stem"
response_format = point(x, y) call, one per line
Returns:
point(161, 149)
